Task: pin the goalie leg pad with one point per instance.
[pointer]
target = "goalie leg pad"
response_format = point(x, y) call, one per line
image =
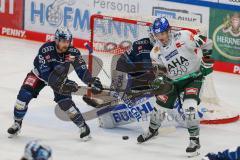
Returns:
point(120, 115)
point(69, 107)
point(106, 121)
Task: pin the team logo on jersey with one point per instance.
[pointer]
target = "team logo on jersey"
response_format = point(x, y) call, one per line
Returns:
point(191, 91)
point(178, 66)
point(177, 35)
point(172, 54)
point(178, 45)
point(42, 62)
point(75, 50)
point(162, 98)
point(47, 49)
point(141, 42)
point(31, 80)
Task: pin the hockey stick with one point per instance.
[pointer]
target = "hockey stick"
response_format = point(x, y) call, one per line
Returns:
point(83, 89)
point(191, 75)
point(140, 93)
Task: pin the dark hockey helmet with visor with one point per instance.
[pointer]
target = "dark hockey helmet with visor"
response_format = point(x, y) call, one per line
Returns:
point(63, 33)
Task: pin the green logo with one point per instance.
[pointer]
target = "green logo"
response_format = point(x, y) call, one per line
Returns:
point(226, 37)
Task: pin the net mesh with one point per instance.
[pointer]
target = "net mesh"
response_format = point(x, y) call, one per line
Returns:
point(115, 35)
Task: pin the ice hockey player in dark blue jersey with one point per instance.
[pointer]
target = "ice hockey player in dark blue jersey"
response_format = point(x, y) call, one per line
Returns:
point(225, 155)
point(52, 59)
point(136, 61)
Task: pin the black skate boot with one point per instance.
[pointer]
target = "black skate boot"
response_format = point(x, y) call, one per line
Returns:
point(148, 135)
point(193, 148)
point(15, 129)
point(85, 132)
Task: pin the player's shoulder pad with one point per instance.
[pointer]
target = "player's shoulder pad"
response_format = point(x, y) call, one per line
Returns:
point(182, 34)
point(186, 37)
point(47, 48)
point(74, 51)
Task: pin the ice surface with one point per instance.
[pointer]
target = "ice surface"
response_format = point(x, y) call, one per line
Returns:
point(16, 58)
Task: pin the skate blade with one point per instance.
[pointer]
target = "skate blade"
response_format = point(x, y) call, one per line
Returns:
point(194, 154)
point(86, 138)
point(13, 135)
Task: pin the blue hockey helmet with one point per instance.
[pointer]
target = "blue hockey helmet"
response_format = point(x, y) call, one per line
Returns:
point(34, 150)
point(160, 25)
point(63, 33)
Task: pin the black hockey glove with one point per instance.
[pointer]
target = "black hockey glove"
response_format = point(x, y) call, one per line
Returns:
point(68, 87)
point(96, 85)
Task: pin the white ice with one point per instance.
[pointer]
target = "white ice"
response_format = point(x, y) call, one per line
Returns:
point(16, 58)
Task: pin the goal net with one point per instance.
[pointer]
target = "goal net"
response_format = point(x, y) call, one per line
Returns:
point(114, 35)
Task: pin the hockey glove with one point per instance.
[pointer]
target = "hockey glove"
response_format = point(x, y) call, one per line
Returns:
point(206, 65)
point(68, 87)
point(96, 85)
point(160, 82)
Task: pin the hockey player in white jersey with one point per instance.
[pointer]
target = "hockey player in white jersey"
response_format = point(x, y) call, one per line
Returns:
point(186, 59)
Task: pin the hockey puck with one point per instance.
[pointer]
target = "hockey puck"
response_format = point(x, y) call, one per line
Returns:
point(125, 137)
